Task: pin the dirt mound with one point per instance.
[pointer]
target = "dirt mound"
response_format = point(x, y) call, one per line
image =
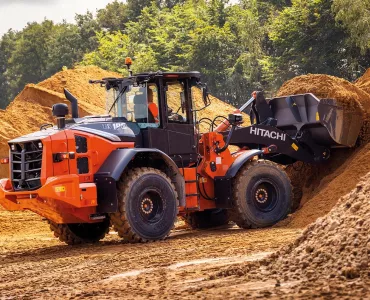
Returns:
point(331, 257)
point(323, 184)
point(364, 81)
point(91, 96)
point(325, 86)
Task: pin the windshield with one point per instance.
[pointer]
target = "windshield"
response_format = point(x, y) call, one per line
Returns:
point(137, 104)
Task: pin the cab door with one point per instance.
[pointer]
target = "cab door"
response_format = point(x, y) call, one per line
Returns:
point(177, 134)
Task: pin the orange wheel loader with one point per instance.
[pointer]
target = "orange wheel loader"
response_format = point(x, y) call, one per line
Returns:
point(137, 172)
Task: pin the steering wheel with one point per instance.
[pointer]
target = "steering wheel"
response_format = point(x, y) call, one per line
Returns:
point(174, 116)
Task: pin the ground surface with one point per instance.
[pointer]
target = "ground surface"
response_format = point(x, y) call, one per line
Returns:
point(35, 264)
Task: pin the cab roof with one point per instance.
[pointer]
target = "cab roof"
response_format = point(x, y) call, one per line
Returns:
point(192, 74)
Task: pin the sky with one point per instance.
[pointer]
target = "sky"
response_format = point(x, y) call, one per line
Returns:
point(16, 14)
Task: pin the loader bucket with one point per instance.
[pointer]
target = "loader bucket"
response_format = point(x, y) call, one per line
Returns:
point(330, 122)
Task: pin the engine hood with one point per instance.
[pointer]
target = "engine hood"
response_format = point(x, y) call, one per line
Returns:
point(34, 136)
point(113, 129)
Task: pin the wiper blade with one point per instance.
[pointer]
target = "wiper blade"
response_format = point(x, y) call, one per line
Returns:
point(119, 95)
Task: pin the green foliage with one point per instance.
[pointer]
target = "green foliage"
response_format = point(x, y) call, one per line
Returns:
point(253, 44)
point(355, 17)
point(28, 61)
point(218, 40)
point(114, 16)
point(7, 45)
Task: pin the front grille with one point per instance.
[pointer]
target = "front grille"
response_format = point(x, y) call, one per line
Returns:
point(25, 164)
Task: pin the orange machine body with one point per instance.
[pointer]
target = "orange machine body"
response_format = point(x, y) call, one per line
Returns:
point(65, 196)
point(199, 180)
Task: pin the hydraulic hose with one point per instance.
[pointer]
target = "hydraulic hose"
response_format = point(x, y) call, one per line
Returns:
point(219, 150)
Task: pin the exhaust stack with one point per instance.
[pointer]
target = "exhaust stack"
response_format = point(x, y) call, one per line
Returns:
point(74, 103)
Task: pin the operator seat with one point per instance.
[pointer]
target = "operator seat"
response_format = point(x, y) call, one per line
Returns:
point(265, 115)
point(140, 109)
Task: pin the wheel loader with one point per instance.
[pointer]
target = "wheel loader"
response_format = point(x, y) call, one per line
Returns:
point(138, 168)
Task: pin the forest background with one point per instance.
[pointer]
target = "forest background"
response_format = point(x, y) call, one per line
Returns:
point(238, 47)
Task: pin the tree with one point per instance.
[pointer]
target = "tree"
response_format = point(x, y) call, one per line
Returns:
point(88, 27)
point(7, 45)
point(28, 61)
point(354, 15)
point(114, 16)
point(306, 40)
point(65, 48)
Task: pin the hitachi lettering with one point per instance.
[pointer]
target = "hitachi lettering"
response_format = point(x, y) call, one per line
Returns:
point(269, 134)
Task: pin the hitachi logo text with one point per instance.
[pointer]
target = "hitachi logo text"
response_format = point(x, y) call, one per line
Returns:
point(270, 134)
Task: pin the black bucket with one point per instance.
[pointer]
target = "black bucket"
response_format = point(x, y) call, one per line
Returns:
point(331, 123)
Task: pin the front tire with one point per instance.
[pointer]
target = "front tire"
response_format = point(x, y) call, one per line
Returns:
point(147, 206)
point(262, 195)
point(80, 233)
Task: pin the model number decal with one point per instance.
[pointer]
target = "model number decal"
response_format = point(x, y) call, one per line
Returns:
point(269, 134)
point(117, 126)
point(114, 126)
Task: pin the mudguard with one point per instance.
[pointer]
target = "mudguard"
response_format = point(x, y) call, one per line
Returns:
point(114, 166)
point(240, 161)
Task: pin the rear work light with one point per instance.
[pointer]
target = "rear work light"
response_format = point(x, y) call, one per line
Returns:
point(4, 161)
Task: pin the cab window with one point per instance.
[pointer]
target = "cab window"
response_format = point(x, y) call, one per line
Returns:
point(137, 104)
point(176, 103)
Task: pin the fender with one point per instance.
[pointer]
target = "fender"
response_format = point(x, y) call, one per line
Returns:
point(111, 170)
point(240, 161)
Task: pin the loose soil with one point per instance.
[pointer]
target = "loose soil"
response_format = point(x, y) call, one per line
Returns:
point(328, 259)
point(34, 264)
point(323, 184)
point(364, 82)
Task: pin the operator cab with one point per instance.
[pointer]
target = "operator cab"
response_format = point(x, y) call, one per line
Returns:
point(160, 105)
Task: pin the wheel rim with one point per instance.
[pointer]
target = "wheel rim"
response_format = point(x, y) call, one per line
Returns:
point(151, 205)
point(265, 195)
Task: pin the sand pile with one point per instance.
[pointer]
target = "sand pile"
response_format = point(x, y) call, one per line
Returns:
point(331, 257)
point(324, 183)
point(325, 86)
point(321, 185)
point(364, 82)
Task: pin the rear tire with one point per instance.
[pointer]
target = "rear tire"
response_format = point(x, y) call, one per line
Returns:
point(207, 219)
point(147, 202)
point(80, 233)
point(262, 195)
